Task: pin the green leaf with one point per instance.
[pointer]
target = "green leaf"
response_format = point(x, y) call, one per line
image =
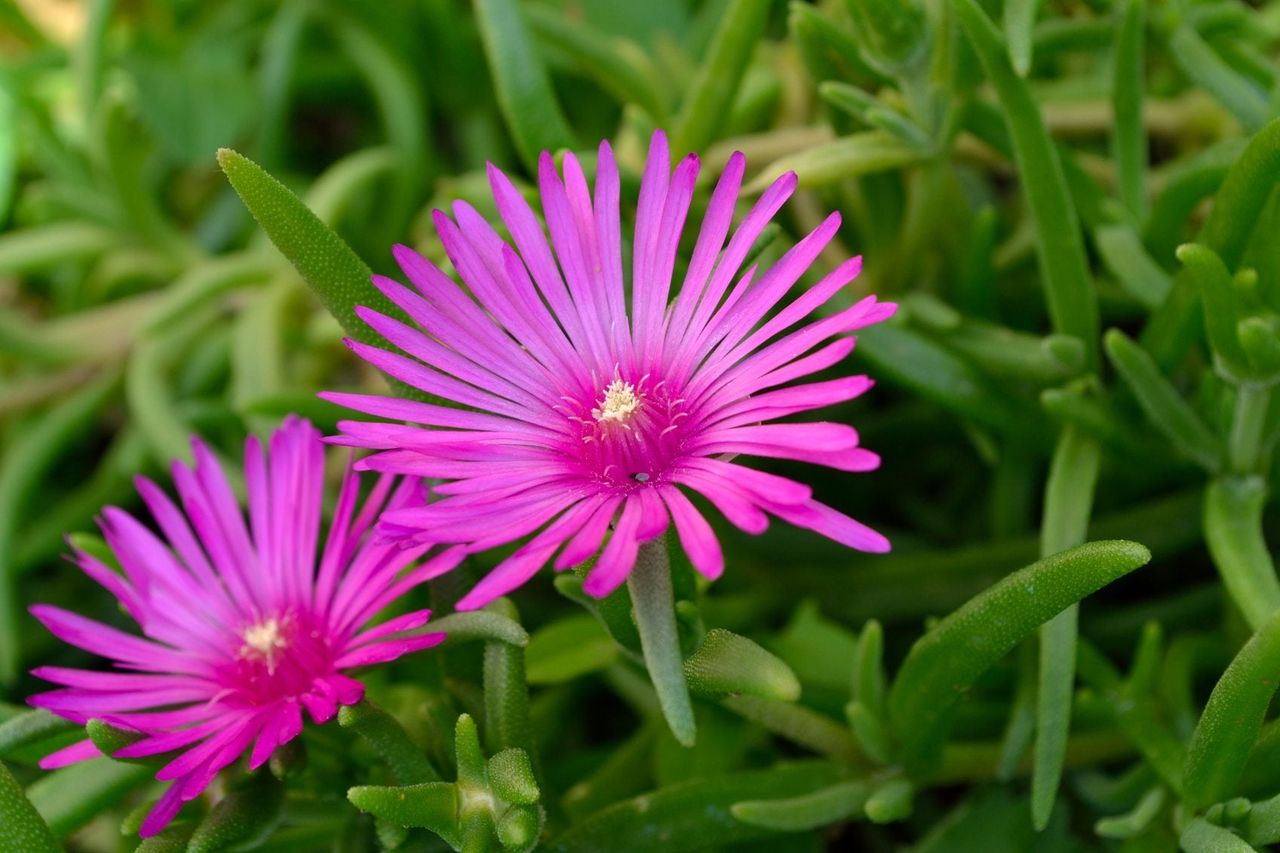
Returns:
point(506, 691)
point(22, 830)
point(1233, 508)
point(109, 740)
point(1124, 255)
point(1200, 836)
point(1232, 719)
point(944, 663)
point(510, 774)
point(1263, 824)
point(26, 461)
point(1136, 820)
point(1129, 133)
point(1019, 24)
point(617, 64)
point(708, 99)
point(728, 663)
point(242, 818)
point(890, 802)
point(70, 797)
point(430, 805)
point(480, 625)
point(1221, 308)
point(839, 160)
point(1059, 248)
point(33, 249)
point(893, 33)
point(1236, 211)
point(823, 807)
point(567, 649)
point(1164, 407)
point(339, 279)
point(650, 586)
point(34, 730)
point(798, 724)
point(523, 89)
point(1206, 68)
point(1068, 500)
point(388, 738)
point(872, 112)
point(692, 816)
point(868, 669)
point(925, 367)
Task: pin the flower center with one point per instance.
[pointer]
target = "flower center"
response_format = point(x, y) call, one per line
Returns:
point(278, 657)
point(630, 433)
point(264, 642)
point(619, 403)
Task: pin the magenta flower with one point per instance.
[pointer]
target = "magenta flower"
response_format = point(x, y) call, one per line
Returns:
point(582, 416)
point(244, 630)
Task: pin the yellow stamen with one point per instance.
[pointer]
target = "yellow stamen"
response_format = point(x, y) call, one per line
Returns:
point(619, 403)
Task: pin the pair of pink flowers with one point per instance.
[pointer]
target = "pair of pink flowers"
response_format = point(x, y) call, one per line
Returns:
point(581, 423)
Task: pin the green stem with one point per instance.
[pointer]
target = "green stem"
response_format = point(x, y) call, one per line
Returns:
point(1244, 444)
point(650, 587)
point(1233, 531)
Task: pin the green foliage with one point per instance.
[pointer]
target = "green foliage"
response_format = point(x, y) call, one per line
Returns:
point(1074, 206)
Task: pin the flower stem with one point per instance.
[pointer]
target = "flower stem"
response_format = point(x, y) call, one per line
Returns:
point(1233, 531)
point(1244, 444)
point(650, 587)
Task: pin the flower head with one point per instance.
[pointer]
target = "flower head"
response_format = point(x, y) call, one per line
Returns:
point(585, 420)
point(243, 627)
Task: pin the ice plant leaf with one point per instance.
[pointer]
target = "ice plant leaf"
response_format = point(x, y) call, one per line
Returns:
point(26, 460)
point(650, 586)
point(506, 691)
point(617, 64)
point(22, 830)
point(430, 805)
point(841, 159)
point(406, 760)
point(1232, 719)
point(944, 663)
point(1164, 407)
point(241, 819)
point(1199, 61)
point(728, 663)
point(1233, 508)
point(1123, 253)
point(1236, 211)
point(31, 730)
point(487, 626)
point(1059, 248)
point(337, 276)
point(69, 798)
point(823, 807)
point(695, 815)
point(511, 776)
point(1221, 308)
point(569, 648)
point(524, 91)
point(1129, 133)
point(1200, 836)
point(707, 101)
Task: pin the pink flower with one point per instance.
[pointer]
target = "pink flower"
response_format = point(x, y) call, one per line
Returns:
point(583, 416)
point(243, 630)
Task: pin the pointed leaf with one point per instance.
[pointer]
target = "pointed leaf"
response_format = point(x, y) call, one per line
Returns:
point(22, 830)
point(944, 663)
point(728, 663)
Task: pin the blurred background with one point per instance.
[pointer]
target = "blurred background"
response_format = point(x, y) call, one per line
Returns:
point(139, 303)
